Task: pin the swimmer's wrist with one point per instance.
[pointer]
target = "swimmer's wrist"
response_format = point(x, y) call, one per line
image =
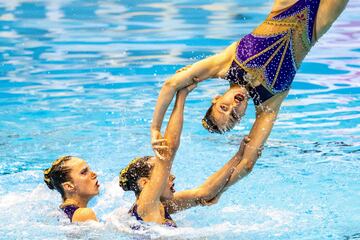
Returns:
point(182, 93)
point(155, 127)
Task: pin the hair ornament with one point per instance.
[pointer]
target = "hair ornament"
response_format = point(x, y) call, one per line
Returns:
point(204, 123)
point(123, 179)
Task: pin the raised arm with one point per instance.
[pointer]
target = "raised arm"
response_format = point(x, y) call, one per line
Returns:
point(214, 66)
point(174, 127)
point(149, 199)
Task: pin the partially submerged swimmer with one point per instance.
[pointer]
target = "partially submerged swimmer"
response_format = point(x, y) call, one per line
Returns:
point(77, 184)
point(150, 179)
point(136, 177)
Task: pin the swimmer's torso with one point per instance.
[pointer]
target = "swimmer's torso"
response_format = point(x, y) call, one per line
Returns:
point(273, 52)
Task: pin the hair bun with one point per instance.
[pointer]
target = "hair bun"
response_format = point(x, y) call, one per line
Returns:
point(47, 179)
point(123, 181)
point(139, 167)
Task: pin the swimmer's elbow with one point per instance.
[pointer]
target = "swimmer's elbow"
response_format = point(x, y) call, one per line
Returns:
point(176, 82)
point(173, 149)
point(171, 85)
point(179, 81)
point(204, 194)
point(249, 166)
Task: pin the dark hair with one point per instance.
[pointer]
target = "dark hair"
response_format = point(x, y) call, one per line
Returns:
point(58, 174)
point(136, 169)
point(209, 122)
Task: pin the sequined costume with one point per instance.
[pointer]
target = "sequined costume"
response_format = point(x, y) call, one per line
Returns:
point(167, 220)
point(273, 52)
point(69, 210)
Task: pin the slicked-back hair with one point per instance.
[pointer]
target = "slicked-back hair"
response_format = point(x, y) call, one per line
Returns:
point(57, 174)
point(209, 122)
point(129, 176)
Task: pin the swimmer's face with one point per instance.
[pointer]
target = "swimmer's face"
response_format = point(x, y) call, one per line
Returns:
point(169, 190)
point(84, 182)
point(226, 111)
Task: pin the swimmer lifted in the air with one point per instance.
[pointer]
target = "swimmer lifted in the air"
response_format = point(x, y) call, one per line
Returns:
point(261, 66)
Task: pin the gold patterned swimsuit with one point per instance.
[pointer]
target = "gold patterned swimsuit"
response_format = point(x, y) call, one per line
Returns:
point(273, 52)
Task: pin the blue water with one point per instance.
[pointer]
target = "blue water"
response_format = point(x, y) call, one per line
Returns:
point(82, 78)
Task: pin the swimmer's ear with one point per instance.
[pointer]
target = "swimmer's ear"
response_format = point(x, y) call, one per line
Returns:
point(142, 182)
point(68, 187)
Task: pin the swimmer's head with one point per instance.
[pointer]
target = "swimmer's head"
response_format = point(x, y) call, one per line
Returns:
point(137, 174)
point(71, 176)
point(226, 110)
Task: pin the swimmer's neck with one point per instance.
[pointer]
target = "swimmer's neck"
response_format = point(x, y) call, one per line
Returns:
point(282, 4)
point(77, 201)
point(237, 87)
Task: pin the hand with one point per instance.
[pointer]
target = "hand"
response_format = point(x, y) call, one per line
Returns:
point(259, 152)
point(183, 69)
point(191, 87)
point(210, 202)
point(158, 143)
point(195, 79)
point(188, 89)
point(243, 144)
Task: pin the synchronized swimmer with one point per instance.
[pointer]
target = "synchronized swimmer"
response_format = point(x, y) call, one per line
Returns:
point(77, 184)
point(261, 66)
point(150, 179)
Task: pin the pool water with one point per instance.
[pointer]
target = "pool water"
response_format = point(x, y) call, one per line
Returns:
point(82, 78)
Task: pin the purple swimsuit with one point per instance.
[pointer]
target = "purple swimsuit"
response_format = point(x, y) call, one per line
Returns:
point(167, 220)
point(69, 210)
point(273, 52)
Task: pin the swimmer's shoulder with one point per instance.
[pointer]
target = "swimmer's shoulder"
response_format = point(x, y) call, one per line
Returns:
point(272, 104)
point(225, 58)
point(83, 215)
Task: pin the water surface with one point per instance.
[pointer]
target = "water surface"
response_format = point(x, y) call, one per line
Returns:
point(82, 78)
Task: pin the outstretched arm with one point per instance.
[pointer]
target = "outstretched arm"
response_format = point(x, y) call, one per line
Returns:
point(209, 189)
point(251, 152)
point(214, 66)
point(265, 118)
point(259, 133)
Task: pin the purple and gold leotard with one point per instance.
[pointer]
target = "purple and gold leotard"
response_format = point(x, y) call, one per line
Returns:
point(273, 52)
